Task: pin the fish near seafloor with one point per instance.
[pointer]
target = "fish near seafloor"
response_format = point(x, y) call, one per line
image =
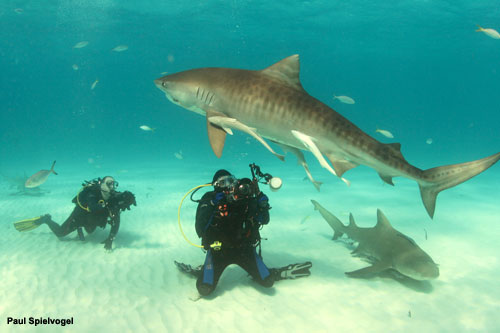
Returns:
point(272, 104)
point(40, 177)
point(384, 246)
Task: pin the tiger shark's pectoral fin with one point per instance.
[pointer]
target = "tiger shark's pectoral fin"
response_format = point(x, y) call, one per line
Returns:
point(340, 165)
point(216, 135)
point(225, 122)
point(302, 161)
point(370, 271)
point(308, 142)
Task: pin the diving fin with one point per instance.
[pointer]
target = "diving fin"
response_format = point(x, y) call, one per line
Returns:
point(30, 224)
point(188, 269)
point(293, 271)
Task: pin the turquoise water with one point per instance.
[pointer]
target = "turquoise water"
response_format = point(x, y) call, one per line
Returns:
point(416, 68)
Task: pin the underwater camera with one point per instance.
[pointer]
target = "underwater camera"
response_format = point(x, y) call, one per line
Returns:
point(245, 188)
point(237, 189)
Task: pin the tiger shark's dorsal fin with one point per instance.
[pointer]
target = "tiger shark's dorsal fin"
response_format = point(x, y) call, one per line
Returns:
point(396, 147)
point(286, 71)
point(382, 221)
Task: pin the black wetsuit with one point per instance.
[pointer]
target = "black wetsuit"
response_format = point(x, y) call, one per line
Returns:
point(92, 215)
point(236, 226)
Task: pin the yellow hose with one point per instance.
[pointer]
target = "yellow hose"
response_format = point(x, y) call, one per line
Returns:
point(179, 213)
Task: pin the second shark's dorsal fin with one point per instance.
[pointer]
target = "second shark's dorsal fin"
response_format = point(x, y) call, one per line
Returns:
point(382, 221)
point(286, 71)
point(352, 223)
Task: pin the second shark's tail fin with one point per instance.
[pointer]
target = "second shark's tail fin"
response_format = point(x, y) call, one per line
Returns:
point(440, 178)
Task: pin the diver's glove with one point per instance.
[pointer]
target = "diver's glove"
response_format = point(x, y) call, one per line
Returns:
point(219, 196)
point(220, 203)
point(263, 200)
point(108, 243)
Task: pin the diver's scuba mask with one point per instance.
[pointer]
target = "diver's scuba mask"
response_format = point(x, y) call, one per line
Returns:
point(111, 184)
point(225, 182)
point(108, 185)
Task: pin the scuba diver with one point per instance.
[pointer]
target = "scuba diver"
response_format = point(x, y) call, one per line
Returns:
point(228, 221)
point(97, 204)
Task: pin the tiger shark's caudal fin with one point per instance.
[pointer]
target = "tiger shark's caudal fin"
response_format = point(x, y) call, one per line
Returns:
point(437, 179)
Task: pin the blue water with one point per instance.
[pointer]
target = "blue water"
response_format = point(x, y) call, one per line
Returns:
point(418, 69)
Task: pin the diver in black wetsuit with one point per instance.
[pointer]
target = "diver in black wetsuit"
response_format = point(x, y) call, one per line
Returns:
point(228, 220)
point(97, 204)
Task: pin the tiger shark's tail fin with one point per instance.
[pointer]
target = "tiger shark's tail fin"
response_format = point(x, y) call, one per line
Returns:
point(440, 178)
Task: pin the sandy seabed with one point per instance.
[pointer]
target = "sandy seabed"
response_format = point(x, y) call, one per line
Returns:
point(137, 288)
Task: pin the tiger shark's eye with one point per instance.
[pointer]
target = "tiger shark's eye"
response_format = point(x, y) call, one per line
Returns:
point(164, 83)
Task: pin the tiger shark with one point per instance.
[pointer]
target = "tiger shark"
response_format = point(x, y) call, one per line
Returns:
point(271, 103)
point(384, 246)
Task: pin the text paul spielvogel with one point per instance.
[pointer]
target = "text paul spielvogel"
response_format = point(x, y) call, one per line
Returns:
point(40, 321)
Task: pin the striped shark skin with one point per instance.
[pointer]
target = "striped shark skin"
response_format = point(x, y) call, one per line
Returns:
point(271, 103)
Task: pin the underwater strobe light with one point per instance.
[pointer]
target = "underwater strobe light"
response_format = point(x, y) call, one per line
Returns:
point(273, 182)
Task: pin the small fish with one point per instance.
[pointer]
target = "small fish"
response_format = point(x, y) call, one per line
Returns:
point(120, 48)
point(425, 234)
point(40, 177)
point(94, 84)
point(19, 10)
point(344, 99)
point(489, 32)
point(385, 133)
point(164, 73)
point(146, 128)
point(79, 45)
point(409, 314)
point(75, 67)
point(179, 155)
point(428, 141)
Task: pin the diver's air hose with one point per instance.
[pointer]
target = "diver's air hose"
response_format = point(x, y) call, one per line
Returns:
point(179, 213)
point(78, 200)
